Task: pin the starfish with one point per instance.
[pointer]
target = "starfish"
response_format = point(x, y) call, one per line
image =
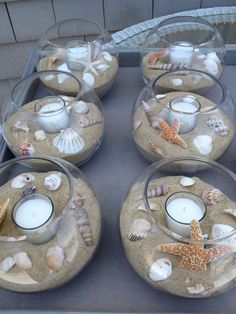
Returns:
point(194, 256)
point(89, 64)
point(170, 134)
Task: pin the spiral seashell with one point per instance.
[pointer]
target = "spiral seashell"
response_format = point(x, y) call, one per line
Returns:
point(168, 66)
point(7, 264)
point(3, 210)
point(161, 269)
point(86, 122)
point(152, 118)
point(68, 141)
point(20, 126)
point(53, 181)
point(218, 126)
point(40, 135)
point(139, 229)
point(22, 180)
point(55, 257)
point(81, 107)
point(161, 190)
point(22, 260)
point(24, 149)
point(84, 226)
point(212, 196)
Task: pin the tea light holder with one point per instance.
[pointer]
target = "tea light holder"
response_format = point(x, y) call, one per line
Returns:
point(76, 51)
point(181, 52)
point(180, 209)
point(34, 216)
point(185, 109)
point(52, 114)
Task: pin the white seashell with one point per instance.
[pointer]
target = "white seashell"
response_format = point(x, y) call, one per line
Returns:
point(189, 98)
point(160, 96)
point(103, 67)
point(213, 56)
point(211, 66)
point(89, 78)
point(221, 230)
point(107, 56)
point(197, 78)
point(177, 82)
point(186, 181)
point(7, 264)
point(196, 289)
point(63, 77)
point(137, 124)
point(40, 135)
point(64, 67)
point(139, 229)
point(68, 142)
point(202, 56)
point(49, 77)
point(55, 257)
point(231, 211)
point(21, 126)
point(161, 269)
point(153, 206)
point(53, 181)
point(81, 107)
point(22, 180)
point(203, 143)
point(22, 260)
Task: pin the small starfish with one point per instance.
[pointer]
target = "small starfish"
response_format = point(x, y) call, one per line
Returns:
point(170, 134)
point(89, 64)
point(194, 256)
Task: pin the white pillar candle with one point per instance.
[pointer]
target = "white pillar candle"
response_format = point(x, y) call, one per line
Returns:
point(186, 112)
point(76, 51)
point(52, 115)
point(181, 208)
point(181, 52)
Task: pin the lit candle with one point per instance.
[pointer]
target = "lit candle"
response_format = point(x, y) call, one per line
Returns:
point(185, 111)
point(181, 52)
point(34, 217)
point(52, 115)
point(181, 208)
point(76, 51)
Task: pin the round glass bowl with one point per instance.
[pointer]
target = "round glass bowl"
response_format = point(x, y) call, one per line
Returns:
point(38, 121)
point(63, 47)
point(190, 119)
point(182, 42)
point(179, 231)
point(50, 223)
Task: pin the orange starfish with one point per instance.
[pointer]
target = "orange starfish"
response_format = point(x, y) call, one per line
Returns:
point(194, 256)
point(170, 134)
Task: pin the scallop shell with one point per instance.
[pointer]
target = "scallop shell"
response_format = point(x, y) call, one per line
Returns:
point(198, 288)
point(186, 181)
point(231, 211)
point(137, 124)
point(211, 66)
point(21, 126)
point(161, 190)
point(107, 56)
point(103, 67)
point(68, 141)
point(53, 181)
point(81, 107)
point(40, 135)
point(22, 260)
point(139, 229)
point(203, 143)
point(3, 210)
point(177, 82)
point(25, 149)
point(22, 180)
point(55, 257)
point(218, 125)
point(161, 269)
point(89, 78)
point(7, 264)
point(212, 196)
point(221, 230)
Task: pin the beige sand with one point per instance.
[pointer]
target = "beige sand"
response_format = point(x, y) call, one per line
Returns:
point(220, 275)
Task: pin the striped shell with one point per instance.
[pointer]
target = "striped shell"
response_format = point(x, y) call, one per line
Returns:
point(86, 122)
point(161, 190)
point(212, 196)
point(139, 229)
point(168, 66)
point(3, 210)
point(218, 126)
point(152, 118)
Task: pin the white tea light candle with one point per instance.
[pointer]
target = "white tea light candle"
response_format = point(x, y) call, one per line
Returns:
point(181, 208)
point(181, 52)
point(76, 51)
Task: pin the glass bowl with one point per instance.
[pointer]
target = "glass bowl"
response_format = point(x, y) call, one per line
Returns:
point(50, 223)
point(174, 121)
point(39, 121)
point(179, 231)
point(182, 42)
point(64, 47)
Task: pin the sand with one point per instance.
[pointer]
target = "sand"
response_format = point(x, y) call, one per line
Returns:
point(39, 277)
point(220, 275)
point(145, 134)
point(91, 135)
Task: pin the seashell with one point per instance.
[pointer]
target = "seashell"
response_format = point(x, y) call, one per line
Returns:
point(67, 229)
point(203, 143)
point(218, 125)
point(40, 135)
point(20, 126)
point(12, 239)
point(82, 220)
point(89, 78)
point(137, 124)
point(196, 78)
point(155, 148)
point(55, 257)
point(186, 181)
point(161, 190)
point(168, 66)
point(61, 78)
point(103, 67)
point(25, 149)
point(153, 206)
point(7, 264)
point(213, 56)
point(211, 66)
point(86, 122)
point(161, 269)
point(155, 56)
point(177, 82)
point(152, 118)
point(22, 260)
point(139, 229)
point(212, 196)
point(53, 181)
point(107, 56)
point(189, 98)
point(3, 210)
point(202, 56)
point(222, 230)
point(160, 96)
point(198, 288)
point(78, 201)
point(29, 191)
point(49, 77)
point(68, 141)
point(231, 211)
point(81, 107)
point(22, 180)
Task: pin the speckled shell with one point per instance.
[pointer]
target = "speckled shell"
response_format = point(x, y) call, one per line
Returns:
point(218, 126)
point(53, 181)
point(68, 142)
point(139, 229)
point(24, 149)
point(22, 260)
point(22, 180)
point(161, 269)
point(55, 257)
point(212, 196)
